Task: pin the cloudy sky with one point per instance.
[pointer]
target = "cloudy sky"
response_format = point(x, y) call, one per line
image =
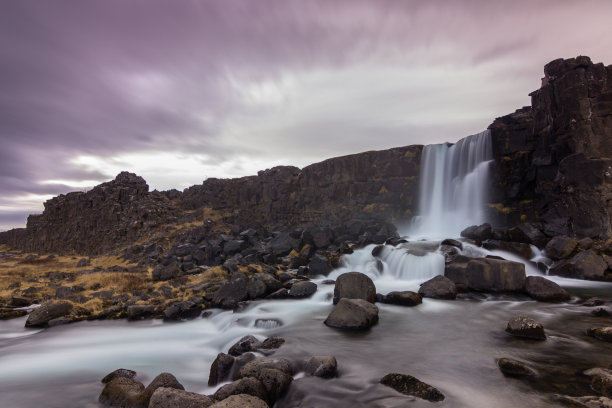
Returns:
point(178, 91)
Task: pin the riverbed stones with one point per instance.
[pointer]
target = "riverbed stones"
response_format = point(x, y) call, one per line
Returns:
point(601, 381)
point(41, 316)
point(485, 274)
point(526, 327)
point(183, 310)
point(241, 401)
point(321, 366)
point(438, 287)
point(403, 298)
point(354, 285)
point(515, 368)
point(230, 294)
point(545, 290)
point(409, 385)
point(20, 301)
point(248, 385)
point(165, 380)
point(274, 373)
point(603, 333)
point(276, 363)
point(302, 289)
point(165, 397)
point(353, 314)
point(220, 369)
point(245, 344)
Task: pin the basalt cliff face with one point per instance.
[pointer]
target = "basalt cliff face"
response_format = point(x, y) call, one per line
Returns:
point(552, 168)
point(554, 158)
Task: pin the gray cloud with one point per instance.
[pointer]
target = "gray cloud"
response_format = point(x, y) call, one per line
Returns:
point(227, 85)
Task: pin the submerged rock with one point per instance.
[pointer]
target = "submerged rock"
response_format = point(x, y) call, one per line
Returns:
point(354, 285)
point(407, 384)
point(404, 298)
point(545, 290)
point(604, 333)
point(526, 327)
point(353, 314)
point(438, 287)
point(515, 368)
point(322, 366)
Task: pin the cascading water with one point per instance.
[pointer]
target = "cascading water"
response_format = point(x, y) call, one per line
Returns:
point(453, 185)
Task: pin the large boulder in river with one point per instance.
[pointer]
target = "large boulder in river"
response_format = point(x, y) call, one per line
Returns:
point(274, 373)
point(560, 247)
point(478, 232)
point(408, 385)
point(584, 265)
point(302, 289)
point(40, 317)
point(165, 397)
point(545, 290)
point(485, 274)
point(403, 298)
point(353, 314)
point(354, 285)
point(438, 287)
point(120, 391)
point(526, 327)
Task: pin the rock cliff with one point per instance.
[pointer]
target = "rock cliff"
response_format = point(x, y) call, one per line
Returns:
point(554, 158)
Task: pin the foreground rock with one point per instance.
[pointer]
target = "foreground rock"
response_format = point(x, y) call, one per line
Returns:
point(485, 274)
point(249, 385)
point(47, 312)
point(353, 314)
point(526, 327)
point(438, 287)
point(515, 368)
point(354, 285)
point(407, 384)
point(604, 333)
point(241, 401)
point(274, 373)
point(322, 366)
point(120, 392)
point(404, 298)
point(545, 290)
point(164, 397)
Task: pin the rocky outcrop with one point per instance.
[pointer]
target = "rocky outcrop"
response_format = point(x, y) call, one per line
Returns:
point(118, 212)
point(407, 384)
point(554, 158)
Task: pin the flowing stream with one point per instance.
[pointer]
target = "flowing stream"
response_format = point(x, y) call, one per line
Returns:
point(453, 345)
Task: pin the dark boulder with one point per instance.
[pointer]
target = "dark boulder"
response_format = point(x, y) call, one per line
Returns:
point(322, 366)
point(601, 383)
point(354, 285)
point(229, 294)
point(438, 287)
point(276, 363)
point(279, 294)
point(240, 362)
point(121, 372)
point(478, 232)
point(240, 401)
point(274, 373)
point(137, 312)
point(282, 244)
point(408, 385)
point(404, 298)
point(518, 248)
point(165, 397)
point(271, 343)
point(120, 392)
point(485, 274)
point(544, 290)
point(247, 385)
point(584, 265)
point(20, 301)
point(302, 289)
point(183, 310)
point(560, 247)
point(220, 369)
point(453, 243)
point(514, 368)
point(527, 233)
point(353, 314)
point(41, 316)
point(256, 288)
point(603, 333)
point(244, 345)
point(165, 380)
point(526, 327)
point(234, 246)
point(166, 272)
point(600, 312)
point(319, 265)
point(6, 314)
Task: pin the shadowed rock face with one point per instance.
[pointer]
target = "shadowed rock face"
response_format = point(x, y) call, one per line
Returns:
point(554, 158)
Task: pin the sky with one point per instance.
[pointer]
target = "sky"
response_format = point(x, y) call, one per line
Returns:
point(178, 91)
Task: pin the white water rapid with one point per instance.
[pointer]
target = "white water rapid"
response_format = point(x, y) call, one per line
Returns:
point(453, 187)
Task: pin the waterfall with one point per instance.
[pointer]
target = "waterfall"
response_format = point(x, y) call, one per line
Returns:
point(453, 186)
